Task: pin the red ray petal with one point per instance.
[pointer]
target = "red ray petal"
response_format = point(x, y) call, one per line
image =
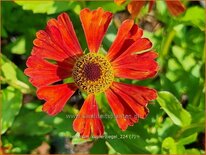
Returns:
point(44, 47)
point(59, 41)
point(124, 115)
point(134, 7)
point(127, 34)
point(55, 97)
point(43, 73)
point(88, 120)
point(138, 46)
point(139, 110)
point(95, 24)
point(87, 130)
point(129, 101)
point(140, 94)
point(138, 66)
point(175, 7)
point(69, 35)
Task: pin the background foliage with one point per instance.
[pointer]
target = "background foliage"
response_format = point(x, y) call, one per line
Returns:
point(176, 120)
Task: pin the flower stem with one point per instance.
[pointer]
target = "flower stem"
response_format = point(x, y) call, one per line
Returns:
point(168, 42)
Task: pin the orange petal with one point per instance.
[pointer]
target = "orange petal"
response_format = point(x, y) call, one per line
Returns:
point(138, 46)
point(139, 110)
point(127, 34)
point(123, 113)
point(43, 73)
point(138, 66)
point(88, 121)
point(175, 7)
point(95, 24)
point(59, 41)
point(87, 130)
point(119, 2)
point(134, 7)
point(44, 47)
point(141, 95)
point(128, 102)
point(68, 34)
point(55, 97)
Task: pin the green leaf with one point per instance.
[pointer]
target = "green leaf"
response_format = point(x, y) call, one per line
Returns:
point(9, 72)
point(99, 147)
point(167, 128)
point(32, 123)
point(198, 113)
point(39, 123)
point(19, 46)
point(188, 140)
point(126, 142)
point(14, 76)
point(169, 146)
point(63, 126)
point(195, 16)
point(174, 109)
point(49, 7)
point(191, 129)
point(193, 151)
point(11, 104)
point(21, 144)
point(168, 85)
point(119, 146)
point(23, 23)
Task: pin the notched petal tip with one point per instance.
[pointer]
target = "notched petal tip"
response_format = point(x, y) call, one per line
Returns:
point(43, 73)
point(58, 41)
point(88, 121)
point(63, 15)
point(128, 33)
point(129, 102)
point(95, 24)
point(56, 97)
point(138, 66)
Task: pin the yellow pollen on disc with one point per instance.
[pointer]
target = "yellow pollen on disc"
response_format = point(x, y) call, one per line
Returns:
point(93, 73)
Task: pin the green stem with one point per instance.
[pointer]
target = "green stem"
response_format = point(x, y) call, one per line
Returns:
point(170, 37)
point(166, 47)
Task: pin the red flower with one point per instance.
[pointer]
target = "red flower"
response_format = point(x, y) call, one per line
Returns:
point(175, 7)
point(130, 56)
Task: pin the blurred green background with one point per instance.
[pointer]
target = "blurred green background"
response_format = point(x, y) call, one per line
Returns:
point(176, 122)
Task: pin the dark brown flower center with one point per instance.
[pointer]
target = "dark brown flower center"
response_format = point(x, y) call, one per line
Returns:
point(92, 71)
